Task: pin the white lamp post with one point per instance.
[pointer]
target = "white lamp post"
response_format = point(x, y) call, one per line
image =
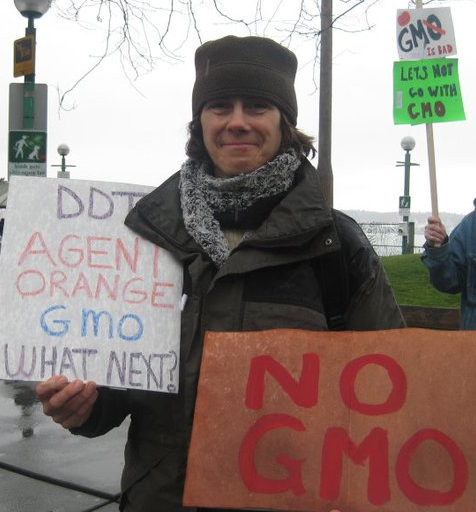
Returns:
point(63, 151)
point(32, 8)
point(407, 144)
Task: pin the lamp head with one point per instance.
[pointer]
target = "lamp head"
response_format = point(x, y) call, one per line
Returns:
point(32, 8)
point(63, 149)
point(407, 143)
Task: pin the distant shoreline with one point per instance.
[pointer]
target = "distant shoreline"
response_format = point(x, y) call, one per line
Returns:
point(419, 218)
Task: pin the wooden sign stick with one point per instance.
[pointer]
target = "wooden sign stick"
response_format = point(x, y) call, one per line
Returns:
point(431, 157)
point(432, 167)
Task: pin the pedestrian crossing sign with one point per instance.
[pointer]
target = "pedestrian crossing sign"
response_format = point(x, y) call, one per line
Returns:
point(404, 205)
point(27, 153)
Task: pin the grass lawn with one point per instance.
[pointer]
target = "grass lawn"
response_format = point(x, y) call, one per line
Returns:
point(409, 279)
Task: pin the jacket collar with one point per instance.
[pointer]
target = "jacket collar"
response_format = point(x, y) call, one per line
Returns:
point(300, 216)
point(302, 213)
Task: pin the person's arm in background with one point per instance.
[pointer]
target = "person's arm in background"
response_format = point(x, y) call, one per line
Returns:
point(444, 258)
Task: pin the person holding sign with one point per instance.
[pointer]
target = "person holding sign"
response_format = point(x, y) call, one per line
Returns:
point(260, 249)
point(450, 262)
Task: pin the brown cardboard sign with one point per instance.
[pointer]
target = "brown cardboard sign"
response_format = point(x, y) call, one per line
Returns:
point(381, 421)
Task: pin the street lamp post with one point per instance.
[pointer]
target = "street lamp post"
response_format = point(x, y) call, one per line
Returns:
point(63, 151)
point(407, 144)
point(31, 9)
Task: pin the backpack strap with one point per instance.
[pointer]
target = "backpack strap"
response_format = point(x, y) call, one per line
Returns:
point(333, 277)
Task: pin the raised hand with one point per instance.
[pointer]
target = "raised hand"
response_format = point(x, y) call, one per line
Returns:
point(435, 232)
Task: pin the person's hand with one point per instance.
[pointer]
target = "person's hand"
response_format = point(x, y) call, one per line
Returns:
point(68, 403)
point(435, 232)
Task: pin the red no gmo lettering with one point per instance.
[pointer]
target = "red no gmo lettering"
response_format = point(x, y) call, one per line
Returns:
point(336, 443)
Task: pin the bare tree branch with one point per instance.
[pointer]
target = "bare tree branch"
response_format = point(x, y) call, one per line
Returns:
point(143, 34)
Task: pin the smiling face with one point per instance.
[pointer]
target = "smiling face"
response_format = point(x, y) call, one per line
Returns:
point(240, 134)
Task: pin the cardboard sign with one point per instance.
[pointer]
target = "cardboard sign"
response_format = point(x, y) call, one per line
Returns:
point(425, 33)
point(427, 92)
point(296, 420)
point(81, 294)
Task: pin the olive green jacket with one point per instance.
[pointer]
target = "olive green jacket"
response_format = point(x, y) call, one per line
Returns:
point(269, 281)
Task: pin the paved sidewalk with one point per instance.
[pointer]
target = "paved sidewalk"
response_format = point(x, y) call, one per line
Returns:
point(44, 468)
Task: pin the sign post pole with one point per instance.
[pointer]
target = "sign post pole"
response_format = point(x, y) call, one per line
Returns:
point(31, 142)
point(430, 143)
point(432, 168)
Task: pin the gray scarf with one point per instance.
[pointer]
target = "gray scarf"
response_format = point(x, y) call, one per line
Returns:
point(202, 196)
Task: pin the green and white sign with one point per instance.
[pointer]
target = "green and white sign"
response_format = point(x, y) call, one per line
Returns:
point(27, 153)
point(404, 205)
point(427, 91)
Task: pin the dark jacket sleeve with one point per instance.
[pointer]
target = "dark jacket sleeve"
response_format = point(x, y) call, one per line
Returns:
point(372, 304)
point(110, 410)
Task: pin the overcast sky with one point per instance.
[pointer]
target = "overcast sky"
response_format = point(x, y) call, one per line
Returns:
point(135, 133)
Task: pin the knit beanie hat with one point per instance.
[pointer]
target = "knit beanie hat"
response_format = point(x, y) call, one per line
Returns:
point(255, 67)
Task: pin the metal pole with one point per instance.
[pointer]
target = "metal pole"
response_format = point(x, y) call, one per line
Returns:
point(31, 31)
point(407, 144)
point(29, 85)
point(63, 150)
point(406, 193)
point(324, 166)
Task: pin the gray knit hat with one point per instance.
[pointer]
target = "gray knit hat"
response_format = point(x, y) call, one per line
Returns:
point(245, 66)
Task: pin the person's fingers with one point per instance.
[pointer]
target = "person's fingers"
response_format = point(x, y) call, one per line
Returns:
point(46, 389)
point(432, 219)
point(78, 409)
point(434, 232)
point(67, 394)
point(68, 403)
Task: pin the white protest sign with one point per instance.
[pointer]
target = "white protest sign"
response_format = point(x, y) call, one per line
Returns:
point(83, 295)
point(425, 33)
